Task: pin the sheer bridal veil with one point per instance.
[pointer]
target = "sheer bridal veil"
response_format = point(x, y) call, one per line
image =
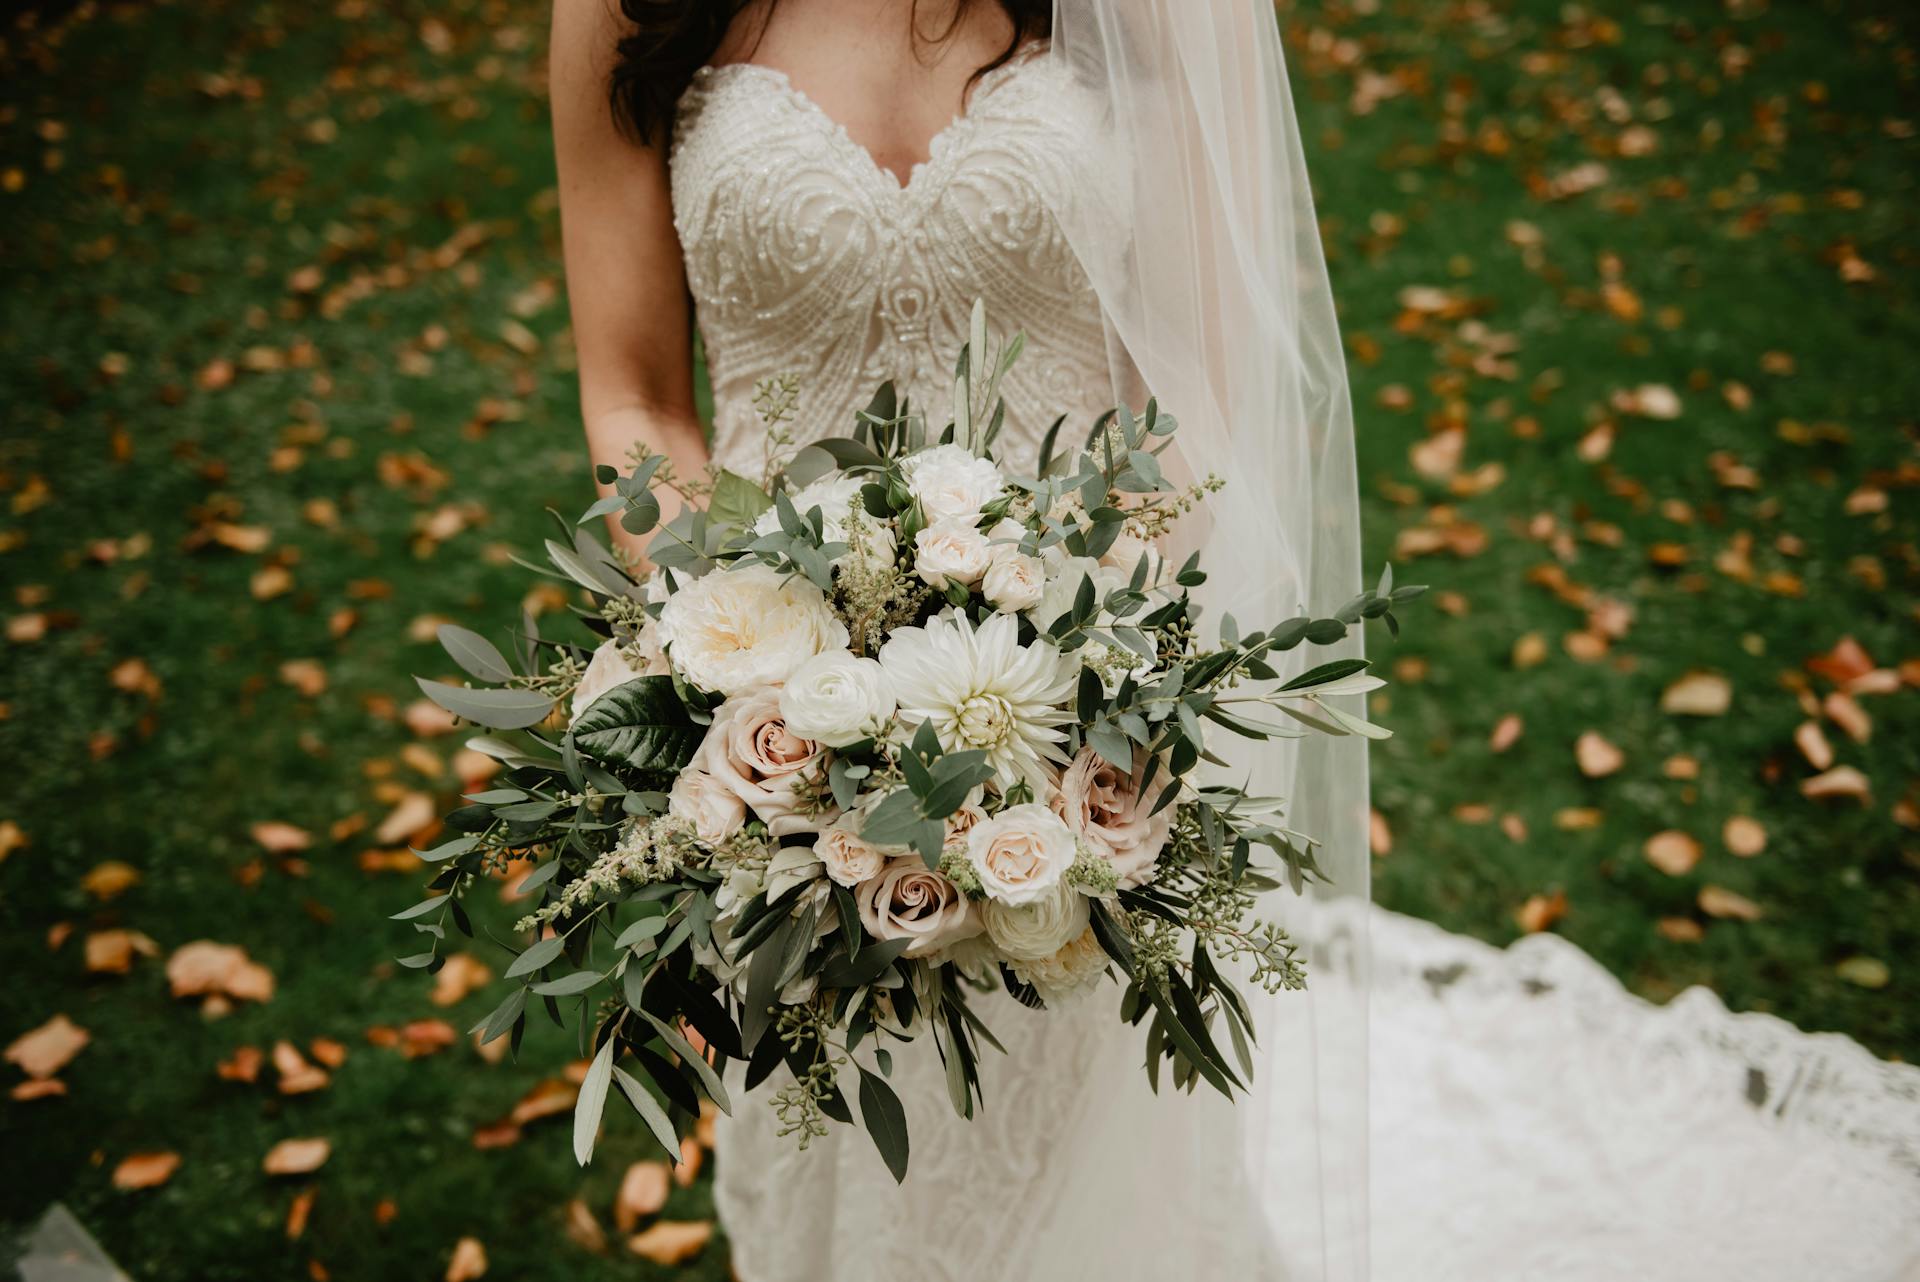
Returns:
point(1200, 240)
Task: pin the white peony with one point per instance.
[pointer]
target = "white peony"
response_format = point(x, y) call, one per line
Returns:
point(848, 858)
point(1021, 853)
point(834, 495)
point(715, 810)
point(1068, 971)
point(980, 688)
point(952, 551)
point(837, 699)
point(952, 481)
point(732, 630)
point(1037, 930)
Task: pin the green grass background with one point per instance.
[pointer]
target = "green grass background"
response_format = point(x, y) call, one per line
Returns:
point(170, 169)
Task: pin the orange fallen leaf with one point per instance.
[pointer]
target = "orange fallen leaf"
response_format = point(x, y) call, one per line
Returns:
point(1698, 694)
point(269, 582)
point(1596, 757)
point(1681, 930)
point(1718, 901)
point(38, 1088)
point(306, 676)
point(297, 1076)
point(107, 880)
point(1540, 912)
point(145, 1170)
point(420, 1037)
point(583, 1230)
point(548, 1097)
point(1845, 662)
point(1744, 836)
point(414, 812)
point(278, 838)
point(643, 1191)
point(12, 838)
point(204, 968)
point(241, 1066)
point(427, 719)
point(1813, 745)
point(1379, 833)
point(1506, 733)
point(329, 1052)
point(687, 1170)
point(1673, 852)
point(299, 1213)
point(297, 1157)
point(469, 1261)
point(672, 1242)
point(1845, 711)
point(1841, 781)
point(46, 1050)
point(111, 952)
point(460, 975)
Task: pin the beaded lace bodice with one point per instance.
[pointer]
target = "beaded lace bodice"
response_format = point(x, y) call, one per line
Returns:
point(807, 258)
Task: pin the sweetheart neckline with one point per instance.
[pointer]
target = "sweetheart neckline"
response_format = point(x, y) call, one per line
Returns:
point(939, 142)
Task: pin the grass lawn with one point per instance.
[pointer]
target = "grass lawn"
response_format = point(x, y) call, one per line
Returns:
point(286, 375)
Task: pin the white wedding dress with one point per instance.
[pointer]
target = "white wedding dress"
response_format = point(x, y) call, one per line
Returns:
point(1531, 1120)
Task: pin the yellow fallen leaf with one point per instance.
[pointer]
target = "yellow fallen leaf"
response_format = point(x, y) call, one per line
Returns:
point(672, 1242)
point(145, 1170)
point(1841, 781)
point(1867, 972)
point(46, 1050)
point(109, 879)
point(297, 1157)
point(280, 838)
point(204, 968)
point(583, 1230)
point(12, 838)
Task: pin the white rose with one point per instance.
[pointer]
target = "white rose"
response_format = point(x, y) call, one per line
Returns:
point(715, 810)
point(1021, 853)
point(849, 860)
point(951, 552)
point(750, 751)
point(1068, 971)
point(608, 668)
point(1038, 929)
point(837, 699)
point(907, 900)
point(1064, 576)
point(732, 630)
point(1124, 557)
point(834, 495)
point(952, 481)
point(1014, 583)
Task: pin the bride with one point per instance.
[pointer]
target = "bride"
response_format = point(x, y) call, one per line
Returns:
point(821, 189)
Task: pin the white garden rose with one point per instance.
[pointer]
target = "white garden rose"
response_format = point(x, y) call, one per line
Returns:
point(1069, 971)
point(734, 630)
point(751, 752)
point(608, 668)
point(837, 698)
point(1021, 853)
point(951, 552)
point(907, 900)
point(848, 859)
point(834, 495)
point(1014, 582)
point(1037, 929)
point(715, 810)
point(952, 481)
point(1102, 808)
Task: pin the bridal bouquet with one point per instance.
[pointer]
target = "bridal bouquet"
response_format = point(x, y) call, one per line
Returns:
point(889, 728)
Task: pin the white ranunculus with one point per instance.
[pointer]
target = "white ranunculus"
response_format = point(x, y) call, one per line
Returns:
point(750, 750)
point(608, 668)
point(848, 859)
point(715, 810)
point(1021, 853)
point(733, 630)
point(951, 552)
point(1068, 972)
point(834, 495)
point(952, 481)
point(1039, 929)
point(837, 698)
point(907, 900)
point(980, 688)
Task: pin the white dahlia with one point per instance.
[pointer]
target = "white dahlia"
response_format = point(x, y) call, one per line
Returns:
point(980, 688)
point(733, 630)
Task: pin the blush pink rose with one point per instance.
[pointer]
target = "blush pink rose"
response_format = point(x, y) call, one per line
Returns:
point(907, 900)
point(1099, 804)
point(749, 751)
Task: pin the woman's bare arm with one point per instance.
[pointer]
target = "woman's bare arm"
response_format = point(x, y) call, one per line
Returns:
point(632, 321)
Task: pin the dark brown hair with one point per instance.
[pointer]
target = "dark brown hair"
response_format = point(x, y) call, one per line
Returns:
point(669, 40)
